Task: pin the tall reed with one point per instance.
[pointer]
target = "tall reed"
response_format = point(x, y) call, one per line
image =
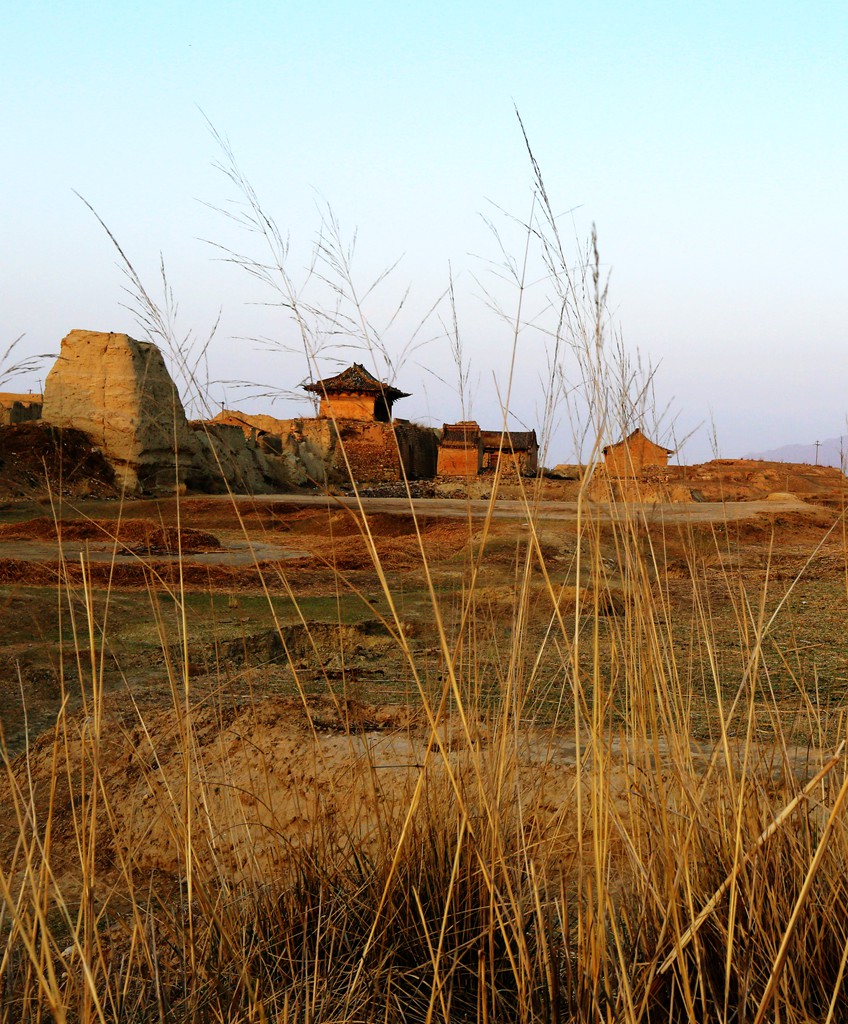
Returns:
point(579, 819)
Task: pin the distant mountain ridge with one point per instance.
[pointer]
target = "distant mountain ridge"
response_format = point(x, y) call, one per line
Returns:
point(833, 451)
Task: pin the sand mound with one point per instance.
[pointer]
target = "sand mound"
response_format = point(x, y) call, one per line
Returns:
point(268, 776)
point(36, 458)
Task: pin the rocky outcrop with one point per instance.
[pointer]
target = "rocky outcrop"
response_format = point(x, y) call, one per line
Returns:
point(119, 393)
point(227, 461)
point(321, 451)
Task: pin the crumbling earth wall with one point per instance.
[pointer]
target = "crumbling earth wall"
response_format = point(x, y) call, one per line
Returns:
point(119, 393)
point(226, 460)
point(460, 461)
point(19, 408)
point(319, 451)
point(375, 452)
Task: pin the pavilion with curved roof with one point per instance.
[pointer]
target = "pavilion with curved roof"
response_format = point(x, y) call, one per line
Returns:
point(355, 394)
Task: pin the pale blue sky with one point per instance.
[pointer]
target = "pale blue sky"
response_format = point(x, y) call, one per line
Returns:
point(706, 141)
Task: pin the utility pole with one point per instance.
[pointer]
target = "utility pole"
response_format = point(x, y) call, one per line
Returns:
point(818, 445)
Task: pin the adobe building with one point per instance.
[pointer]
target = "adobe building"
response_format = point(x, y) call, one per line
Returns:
point(461, 449)
point(353, 436)
point(519, 447)
point(355, 394)
point(635, 453)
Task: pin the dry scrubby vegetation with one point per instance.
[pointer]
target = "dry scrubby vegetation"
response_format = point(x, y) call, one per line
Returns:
point(537, 834)
point(585, 809)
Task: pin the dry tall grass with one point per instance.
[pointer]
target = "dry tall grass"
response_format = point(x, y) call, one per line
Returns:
point(651, 879)
point(554, 847)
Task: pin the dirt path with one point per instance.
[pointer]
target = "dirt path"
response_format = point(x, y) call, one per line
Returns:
point(563, 511)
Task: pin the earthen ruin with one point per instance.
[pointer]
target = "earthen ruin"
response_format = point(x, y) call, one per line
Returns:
point(461, 449)
point(118, 392)
point(354, 437)
point(19, 408)
point(634, 453)
point(518, 448)
point(351, 439)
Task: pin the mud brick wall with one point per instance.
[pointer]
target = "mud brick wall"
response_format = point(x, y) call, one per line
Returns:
point(633, 455)
point(375, 451)
point(419, 448)
point(460, 461)
point(371, 451)
point(348, 407)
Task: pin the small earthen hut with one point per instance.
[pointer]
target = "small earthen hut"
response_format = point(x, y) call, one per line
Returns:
point(461, 449)
point(521, 448)
point(636, 452)
point(353, 436)
point(355, 394)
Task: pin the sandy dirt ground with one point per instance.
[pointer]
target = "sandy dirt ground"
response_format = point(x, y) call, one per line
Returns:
point(253, 771)
point(251, 786)
point(557, 511)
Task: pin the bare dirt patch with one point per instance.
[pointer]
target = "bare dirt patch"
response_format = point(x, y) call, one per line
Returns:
point(140, 536)
point(268, 776)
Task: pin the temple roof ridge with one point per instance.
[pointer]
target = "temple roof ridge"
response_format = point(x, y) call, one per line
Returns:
point(355, 380)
